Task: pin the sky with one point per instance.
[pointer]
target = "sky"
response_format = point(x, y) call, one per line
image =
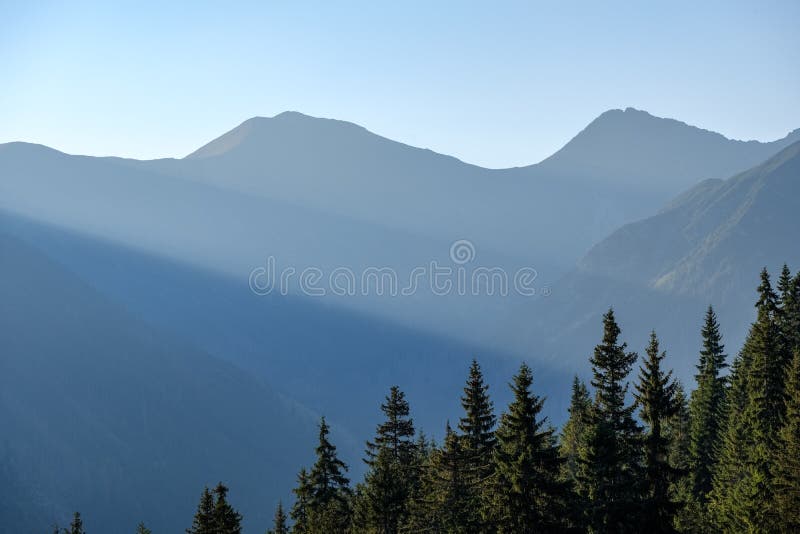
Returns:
point(497, 84)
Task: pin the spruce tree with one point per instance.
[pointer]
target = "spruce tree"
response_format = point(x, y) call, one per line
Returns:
point(451, 493)
point(573, 433)
point(204, 517)
point(528, 494)
point(743, 494)
point(610, 477)
point(707, 409)
point(787, 455)
point(655, 394)
point(76, 526)
point(396, 433)
point(329, 490)
point(226, 519)
point(477, 432)
point(789, 289)
point(391, 476)
point(689, 517)
point(141, 529)
point(299, 511)
point(423, 514)
point(383, 498)
point(279, 521)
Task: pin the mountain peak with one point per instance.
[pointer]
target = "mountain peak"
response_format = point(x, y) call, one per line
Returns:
point(260, 130)
point(636, 149)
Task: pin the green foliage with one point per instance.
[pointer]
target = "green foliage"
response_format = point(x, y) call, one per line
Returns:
point(451, 490)
point(611, 478)
point(528, 494)
point(787, 455)
point(476, 449)
point(279, 521)
point(226, 519)
point(214, 514)
point(743, 494)
point(204, 517)
point(141, 529)
point(327, 490)
point(383, 499)
point(656, 395)
point(76, 526)
point(707, 409)
point(299, 511)
point(573, 433)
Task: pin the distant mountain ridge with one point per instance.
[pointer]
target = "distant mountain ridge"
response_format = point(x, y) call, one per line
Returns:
point(635, 148)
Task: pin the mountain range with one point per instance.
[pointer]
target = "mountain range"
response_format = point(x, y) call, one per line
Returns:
point(125, 310)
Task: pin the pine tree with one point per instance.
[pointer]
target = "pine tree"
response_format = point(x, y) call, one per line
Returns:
point(299, 511)
point(689, 517)
point(789, 317)
point(742, 498)
point(477, 429)
point(655, 394)
point(329, 490)
point(451, 493)
point(383, 496)
point(573, 433)
point(141, 529)
point(76, 526)
point(610, 468)
point(787, 455)
point(391, 477)
point(279, 521)
point(423, 514)
point(707, 409)
point(396, 433)
point(528, 495)
point(204, 518)
point(226, 519)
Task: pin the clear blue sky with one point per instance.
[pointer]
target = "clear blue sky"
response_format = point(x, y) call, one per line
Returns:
point(493, 83)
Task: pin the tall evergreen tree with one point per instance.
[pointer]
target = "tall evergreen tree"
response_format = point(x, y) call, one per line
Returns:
point(528, 495)
point(226, 519)
point(789, 289)
point(76, 526)
point(279, 521)
point(690, 517)
point(451, 494)
point(396, 433)
point(477, 450)
point(573, 433)
point(423, 513)
point(707, 409)
point(611, 466)
point(742, 498)
point(392, 473)
point(329, 490)
point(204, 517)
point(142, 529)
point(787, 455)
point(299, 511)
point(655, 394)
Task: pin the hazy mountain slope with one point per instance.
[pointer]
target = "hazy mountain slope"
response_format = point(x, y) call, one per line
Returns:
point(232, 233)
point(102, 413)
point(712, 235)
point(336, 362)
point(706, 247)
